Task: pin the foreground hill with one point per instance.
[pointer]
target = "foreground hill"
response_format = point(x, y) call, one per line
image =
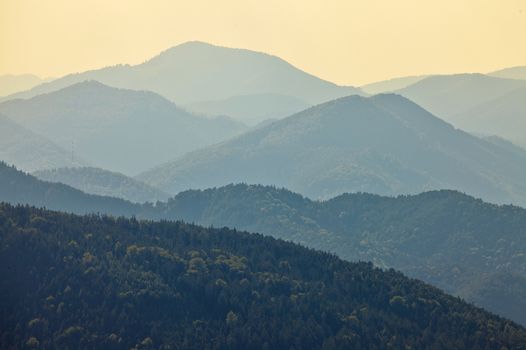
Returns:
point(463, 245)
point(453, 241)
point(384, 144)
point(29, 151)
point(122, 130)
point(197, 71)
point(103, 182)
point(128, 283)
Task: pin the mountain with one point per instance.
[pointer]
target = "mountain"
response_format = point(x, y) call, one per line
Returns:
point(197, 71)
point(504, 116)
point(456, 242)
point(510, 73)
point(448, 96)
point(103, 182)
point(117, 129)
point(391, 85)
point(10, 84)
point(426, 236)
point(383, 144)
point(252, 109)
point(101, 282)
point(29, 151)
point(17, 187)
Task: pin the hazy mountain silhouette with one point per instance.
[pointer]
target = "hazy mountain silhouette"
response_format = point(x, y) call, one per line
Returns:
point(17, 187)
point(11, 83)
point(447, 96)
point(252, 109)
point(122, 130)
point(504, 116)
point(103, 182)
point(29, 151)
point(197, 71)
point(510, 73)
point(384, 144)
point(391, 85)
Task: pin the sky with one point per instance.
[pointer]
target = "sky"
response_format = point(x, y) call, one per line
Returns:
point(348, 42)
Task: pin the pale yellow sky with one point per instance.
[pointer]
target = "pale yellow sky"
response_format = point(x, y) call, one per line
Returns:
point(348, 41)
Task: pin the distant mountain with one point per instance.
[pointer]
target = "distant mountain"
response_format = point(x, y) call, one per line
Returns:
point(510, 73)
point(391, 85)
point(504, 116)
point(103, 182)
point(10, 84)
point(106, 283)
point(17, 187)
point(197, 71)
point(29, 151)
point(383, 144)
point(117, 129)
point(398, 232)
point(448, 96)
point(252, 109)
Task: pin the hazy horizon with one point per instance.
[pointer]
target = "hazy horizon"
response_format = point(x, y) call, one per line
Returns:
point(342, 42)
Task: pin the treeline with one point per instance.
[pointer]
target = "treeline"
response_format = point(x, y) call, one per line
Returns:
point(98, 282)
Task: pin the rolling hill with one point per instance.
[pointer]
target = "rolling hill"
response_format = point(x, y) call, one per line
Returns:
point(384, 144)
point(30, 151)
point(197, 71)
point(463, 245)
point(118, 129)
point(103, 182)
point(119, 284)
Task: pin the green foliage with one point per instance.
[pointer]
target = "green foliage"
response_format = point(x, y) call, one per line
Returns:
point(98, 282)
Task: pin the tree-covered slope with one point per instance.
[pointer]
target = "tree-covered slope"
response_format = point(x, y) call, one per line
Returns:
point(98, 282)
point(384, 144)
point(103, 182)
point(463, 245)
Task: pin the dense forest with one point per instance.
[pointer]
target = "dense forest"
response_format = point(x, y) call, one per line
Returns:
point(463, 245)
point(98, 282)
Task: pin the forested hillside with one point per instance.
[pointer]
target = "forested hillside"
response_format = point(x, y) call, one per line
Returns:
point(106, 283)
point(451, 240)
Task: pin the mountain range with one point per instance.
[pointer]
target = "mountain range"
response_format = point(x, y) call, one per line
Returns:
point(117, 129)
point(194, 72)
point(30, 151)
point(456, 242)
point(384, 144)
